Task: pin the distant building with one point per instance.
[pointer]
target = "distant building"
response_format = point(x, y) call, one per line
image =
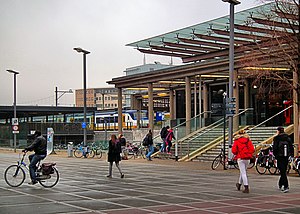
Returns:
point(138, 70)
point(146, 68)
point(102, 98)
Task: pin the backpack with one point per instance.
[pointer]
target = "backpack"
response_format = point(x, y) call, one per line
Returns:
point(163, 132)
point(145, 141)
point(283, 148)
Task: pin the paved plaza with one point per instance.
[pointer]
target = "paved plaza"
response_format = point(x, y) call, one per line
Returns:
point(159, 186)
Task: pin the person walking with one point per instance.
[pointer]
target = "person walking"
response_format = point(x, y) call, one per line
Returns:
point(163, 135)
point(39, 146)
point(170, 136)
point(150, 145)
point(243, 149)
point(122, 141)
point(114, 150)
point(282, 149)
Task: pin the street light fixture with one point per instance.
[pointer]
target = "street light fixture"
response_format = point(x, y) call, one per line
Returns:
point(15, 103)
point(85, 52)
point(231, 69)
point(235, 2)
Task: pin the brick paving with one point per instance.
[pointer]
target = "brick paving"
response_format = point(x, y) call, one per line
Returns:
point(159, 186)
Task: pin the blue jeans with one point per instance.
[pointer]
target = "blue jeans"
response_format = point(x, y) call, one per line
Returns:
point(150, 152)
point(34, 159)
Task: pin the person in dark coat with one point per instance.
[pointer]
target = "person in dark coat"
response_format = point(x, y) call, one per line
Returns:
point(282, 150)
point(114, 150)
point(39, 146)
point(150, 145)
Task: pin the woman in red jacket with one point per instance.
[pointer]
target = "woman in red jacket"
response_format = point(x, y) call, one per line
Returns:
point(243, 149)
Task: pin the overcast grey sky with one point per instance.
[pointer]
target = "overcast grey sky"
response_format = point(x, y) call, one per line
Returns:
point(37, 38)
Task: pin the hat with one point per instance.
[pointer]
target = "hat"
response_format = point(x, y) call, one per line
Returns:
point(280, 128)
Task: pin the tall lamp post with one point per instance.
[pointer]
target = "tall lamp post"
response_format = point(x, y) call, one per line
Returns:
point(231, 69)
point(84, 52)
point(15, 104)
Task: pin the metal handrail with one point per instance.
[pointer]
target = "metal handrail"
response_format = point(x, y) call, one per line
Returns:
point(269, 118)
point(206, 131)
point(205, 112)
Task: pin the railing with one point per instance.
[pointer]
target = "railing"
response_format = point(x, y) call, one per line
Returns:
point(196, 120)
point(264, 122)
point(206, 131)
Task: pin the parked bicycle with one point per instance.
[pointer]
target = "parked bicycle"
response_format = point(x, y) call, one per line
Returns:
point(228, 162)
point(134, 151)
point(96, 150)
point(265, 160)
point(294, 163)
point(220, 160)
point(46, 173)
point(81, 151)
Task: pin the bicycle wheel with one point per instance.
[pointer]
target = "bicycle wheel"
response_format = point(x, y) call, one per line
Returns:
point(98, 153)
point(216, 162)
point(143, 154)
point(251, 164)
point(272, 170)
point(130, 153)
point(14, 175)
point(78, 153)
point(260, 167)
point(90, 154)
point(49, 181)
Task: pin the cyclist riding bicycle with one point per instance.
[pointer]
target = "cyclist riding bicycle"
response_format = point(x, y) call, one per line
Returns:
point(39, 146)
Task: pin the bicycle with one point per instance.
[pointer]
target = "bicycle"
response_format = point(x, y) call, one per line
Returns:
point(134, 151)
point(265, 160)
point(96, 150)
point(47, 174)
point(81, 151)
point(294, 163)
point(220, 160)
point(228, 162)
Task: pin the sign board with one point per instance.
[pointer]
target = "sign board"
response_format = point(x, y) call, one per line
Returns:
point(15, 129)
point(83, 125)
point(50, 137)
point(14, 121)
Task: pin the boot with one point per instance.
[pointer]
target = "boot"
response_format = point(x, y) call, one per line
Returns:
point(238, 186)
point(246, 190)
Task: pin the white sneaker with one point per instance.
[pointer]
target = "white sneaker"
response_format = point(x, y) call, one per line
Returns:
point(285, 190)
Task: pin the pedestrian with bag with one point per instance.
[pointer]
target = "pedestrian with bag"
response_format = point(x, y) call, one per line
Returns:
point(149, 141)
point(170, 136)
point(163, 135)
point(243, 149)
point(282, 149)
point(114, 150)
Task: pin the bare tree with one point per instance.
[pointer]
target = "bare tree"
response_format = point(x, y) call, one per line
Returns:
point(275, 54)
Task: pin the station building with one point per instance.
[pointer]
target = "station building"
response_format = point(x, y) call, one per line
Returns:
point(265, 48)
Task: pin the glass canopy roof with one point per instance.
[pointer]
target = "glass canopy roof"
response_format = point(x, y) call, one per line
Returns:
point(205, 28)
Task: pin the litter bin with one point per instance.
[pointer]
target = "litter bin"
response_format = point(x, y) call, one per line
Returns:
point(70, 149)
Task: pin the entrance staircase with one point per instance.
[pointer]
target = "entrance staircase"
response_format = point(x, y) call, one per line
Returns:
point(206, 145)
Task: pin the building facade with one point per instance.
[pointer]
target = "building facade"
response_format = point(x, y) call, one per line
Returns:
point(101, 98)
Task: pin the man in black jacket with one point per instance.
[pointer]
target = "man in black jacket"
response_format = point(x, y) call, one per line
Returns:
point(282, 149)
point(39, 146)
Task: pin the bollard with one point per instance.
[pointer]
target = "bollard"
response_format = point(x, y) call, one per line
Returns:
point(70, 149)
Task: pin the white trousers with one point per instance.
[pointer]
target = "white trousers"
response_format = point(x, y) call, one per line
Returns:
point(243, 164)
